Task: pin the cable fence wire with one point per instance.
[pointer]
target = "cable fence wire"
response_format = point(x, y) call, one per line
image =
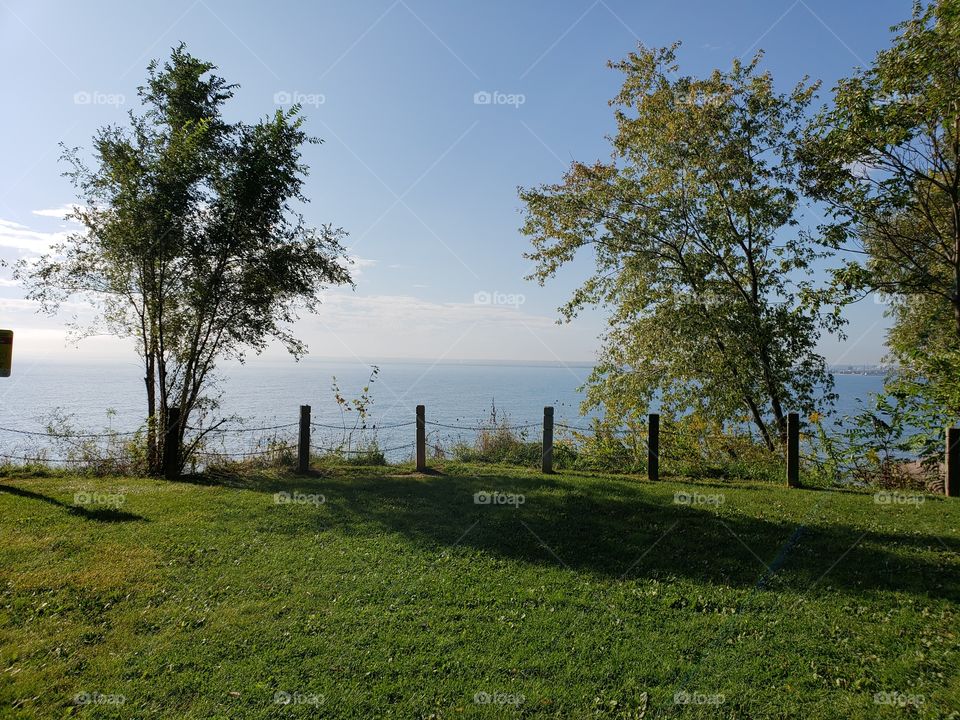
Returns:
point(823, 463)
point(253, 453)
point(21, 458)
point(493, 427)
point(90, 436)
point(218, 431)
point(368, 451)
point(369, 427)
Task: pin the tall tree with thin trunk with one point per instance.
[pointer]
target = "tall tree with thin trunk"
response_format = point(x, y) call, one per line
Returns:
point(191, 243)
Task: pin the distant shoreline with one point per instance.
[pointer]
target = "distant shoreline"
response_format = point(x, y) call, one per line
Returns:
point(871, 370)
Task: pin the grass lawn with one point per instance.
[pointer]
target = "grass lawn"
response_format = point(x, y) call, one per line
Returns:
point(399, 596)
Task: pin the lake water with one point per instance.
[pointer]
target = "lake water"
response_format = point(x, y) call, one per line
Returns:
point(111, 395)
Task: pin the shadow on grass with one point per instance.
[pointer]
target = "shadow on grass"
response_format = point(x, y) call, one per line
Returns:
point(618, 530)
point(109, 515)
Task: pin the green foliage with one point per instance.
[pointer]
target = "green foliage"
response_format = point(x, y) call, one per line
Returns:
point(366, 453)
point(498, 442)
point(357, 444)
point(700, 447)
point(693, 229)
point(191, 245)
point(84, 451)
point(874, 447)
point(355, 414)
point(605, 448)
point(886, 159)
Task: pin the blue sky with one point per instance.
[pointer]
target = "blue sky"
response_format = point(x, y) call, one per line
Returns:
point(422, 176)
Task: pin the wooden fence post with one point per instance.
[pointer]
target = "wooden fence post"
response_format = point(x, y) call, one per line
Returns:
point(793, 450)
point(653, 447)
point(171, 444)
point(303, 443)
point(951, 484)
point(421, 438)
point(546, 457)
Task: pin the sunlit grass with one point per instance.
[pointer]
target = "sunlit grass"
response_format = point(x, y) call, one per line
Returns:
point(390, 594)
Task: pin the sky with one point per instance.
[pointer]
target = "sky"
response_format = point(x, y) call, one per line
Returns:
point(431, 112)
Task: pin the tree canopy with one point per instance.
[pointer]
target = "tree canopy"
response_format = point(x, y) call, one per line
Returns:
point(693, 228)
point(192, 244)
point(885, 158)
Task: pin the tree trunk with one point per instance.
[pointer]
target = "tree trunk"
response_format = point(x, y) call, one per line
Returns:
point(955, 300)
point(747, 398)
point(775, 404)
point(758, 421)
point(153, 456)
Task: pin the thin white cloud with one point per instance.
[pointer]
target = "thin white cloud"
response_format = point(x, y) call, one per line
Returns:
point(15, 235)
point(59, 213)
point(358, 264)
point(9, 283)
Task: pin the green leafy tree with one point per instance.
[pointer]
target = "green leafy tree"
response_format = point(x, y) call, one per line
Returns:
point(884, 157)
point(693, 229)
point(191, 244)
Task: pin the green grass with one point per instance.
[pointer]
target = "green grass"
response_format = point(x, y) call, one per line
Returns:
point(599, 596)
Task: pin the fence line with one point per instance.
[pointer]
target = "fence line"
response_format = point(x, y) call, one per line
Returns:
point(303, 446)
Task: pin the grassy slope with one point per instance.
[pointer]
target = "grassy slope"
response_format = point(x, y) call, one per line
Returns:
point(400, 597)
